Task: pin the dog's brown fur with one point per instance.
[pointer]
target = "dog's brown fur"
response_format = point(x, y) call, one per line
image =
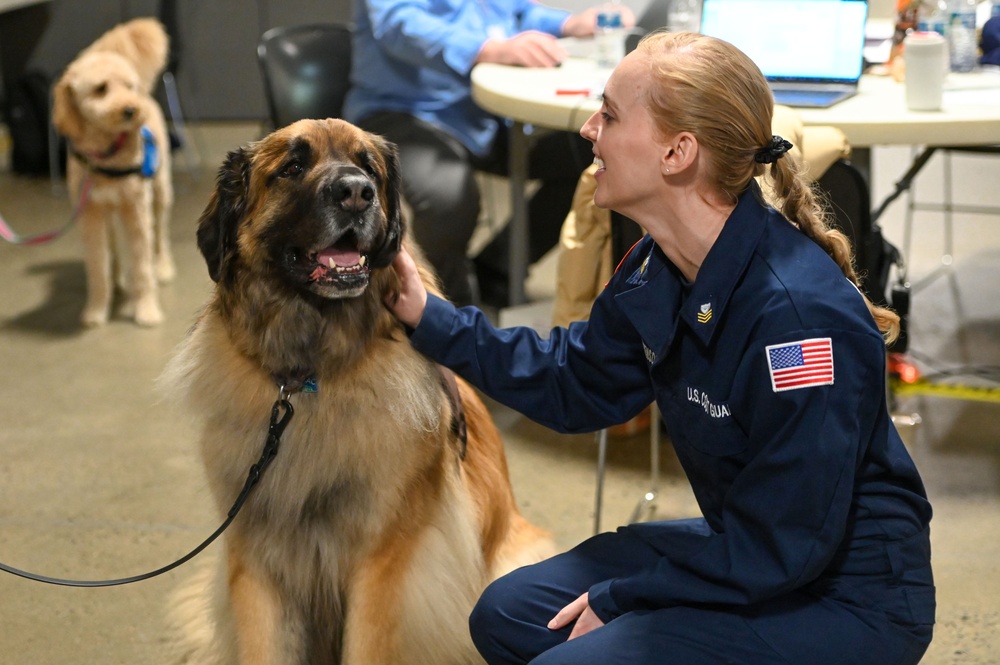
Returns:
point(99, 104)
point(375, 529)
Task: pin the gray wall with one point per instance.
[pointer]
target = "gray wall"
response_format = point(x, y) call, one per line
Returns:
point(217, 73)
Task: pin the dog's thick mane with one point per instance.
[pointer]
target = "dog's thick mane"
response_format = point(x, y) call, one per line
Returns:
point(287, 331)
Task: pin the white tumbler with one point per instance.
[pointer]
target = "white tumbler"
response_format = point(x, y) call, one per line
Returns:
point(926, 58)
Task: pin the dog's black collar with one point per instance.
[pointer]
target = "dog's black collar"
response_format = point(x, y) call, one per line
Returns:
point(147, 169)
point(102, 170)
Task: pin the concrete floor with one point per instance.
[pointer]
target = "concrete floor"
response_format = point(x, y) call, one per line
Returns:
point(99, 479)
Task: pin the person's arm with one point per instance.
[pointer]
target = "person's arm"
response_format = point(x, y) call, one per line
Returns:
point(583, 24)
point(591, 375)
point(536, 44)
point(413, 34)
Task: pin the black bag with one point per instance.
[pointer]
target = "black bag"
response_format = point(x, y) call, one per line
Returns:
point(27, 113)
point(847, 192)
point(874, 256)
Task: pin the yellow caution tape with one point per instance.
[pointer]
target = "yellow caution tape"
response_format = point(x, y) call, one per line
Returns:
point(947, 390)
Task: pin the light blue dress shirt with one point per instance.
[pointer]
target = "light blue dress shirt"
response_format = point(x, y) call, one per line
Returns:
point(417, 56)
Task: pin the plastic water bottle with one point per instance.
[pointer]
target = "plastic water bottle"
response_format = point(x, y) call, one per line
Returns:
point(935, 17)
point(684, 16)
point(609, 37)
point(962, 35)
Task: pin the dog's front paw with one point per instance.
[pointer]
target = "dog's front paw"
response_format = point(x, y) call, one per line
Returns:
point(148, 313)
point(94, 316)
point(165, 271)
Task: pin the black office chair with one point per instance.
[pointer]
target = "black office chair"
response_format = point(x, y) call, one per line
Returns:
point(306, 70)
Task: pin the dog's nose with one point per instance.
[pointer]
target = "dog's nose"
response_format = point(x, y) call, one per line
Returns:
point(128, 112)
point(352, 192)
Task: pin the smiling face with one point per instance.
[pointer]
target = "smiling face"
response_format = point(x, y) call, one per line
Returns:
point(627, 145)
point(313, 206)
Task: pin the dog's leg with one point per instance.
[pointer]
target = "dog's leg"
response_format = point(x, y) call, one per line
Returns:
point(162, 207)
point(409, 604)
point(97, 262)
point(266, 629)
point(139, 235)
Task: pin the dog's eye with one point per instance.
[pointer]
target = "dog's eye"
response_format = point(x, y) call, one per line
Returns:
point(101, 89)
point(291, 170)
point(372, 172)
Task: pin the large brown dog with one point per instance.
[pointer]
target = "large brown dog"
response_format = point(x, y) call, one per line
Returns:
point(376, 527)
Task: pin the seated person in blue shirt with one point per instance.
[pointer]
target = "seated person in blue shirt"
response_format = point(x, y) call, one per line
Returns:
point(745, 325)
point(411, 83)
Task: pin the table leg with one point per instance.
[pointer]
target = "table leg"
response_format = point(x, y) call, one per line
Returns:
point(518, 257)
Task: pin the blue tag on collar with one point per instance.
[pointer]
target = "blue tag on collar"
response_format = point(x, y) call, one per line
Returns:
point(150, 153)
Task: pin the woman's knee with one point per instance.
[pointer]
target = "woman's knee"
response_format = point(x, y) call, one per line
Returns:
point(489, 624)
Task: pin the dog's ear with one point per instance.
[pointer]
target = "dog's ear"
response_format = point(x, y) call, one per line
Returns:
point(219, 222)
point(66, 117)
point(391, 199)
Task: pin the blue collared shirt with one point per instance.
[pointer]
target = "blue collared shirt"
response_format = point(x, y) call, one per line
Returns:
point(416, 57)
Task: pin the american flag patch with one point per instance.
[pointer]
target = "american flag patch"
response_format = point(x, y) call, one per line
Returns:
point(800, 364)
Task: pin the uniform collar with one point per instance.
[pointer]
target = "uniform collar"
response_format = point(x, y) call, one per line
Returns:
point(725, 264)
point(658, 299)
point(652, 304)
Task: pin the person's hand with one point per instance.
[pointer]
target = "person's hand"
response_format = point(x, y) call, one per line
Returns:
point(525, 49)
point(584, 23)
point(579, 609)
point(409, 302)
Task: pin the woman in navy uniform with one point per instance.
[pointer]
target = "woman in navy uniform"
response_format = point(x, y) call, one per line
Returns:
point(744, 323)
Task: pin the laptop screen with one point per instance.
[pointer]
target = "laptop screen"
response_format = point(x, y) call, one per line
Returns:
point(793, 40)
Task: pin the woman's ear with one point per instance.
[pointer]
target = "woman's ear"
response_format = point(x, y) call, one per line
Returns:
point(679, 153)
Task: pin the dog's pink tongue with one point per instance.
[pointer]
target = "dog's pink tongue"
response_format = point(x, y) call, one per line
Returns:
point(344, 258)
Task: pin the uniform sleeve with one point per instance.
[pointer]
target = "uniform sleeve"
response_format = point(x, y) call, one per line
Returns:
point(785, 513)
point(579, 379)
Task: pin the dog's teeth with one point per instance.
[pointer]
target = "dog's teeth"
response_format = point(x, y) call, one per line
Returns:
point(363, 261)
point(333, 264)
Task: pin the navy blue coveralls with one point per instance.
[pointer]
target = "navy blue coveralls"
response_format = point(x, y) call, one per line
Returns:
point(770, 374)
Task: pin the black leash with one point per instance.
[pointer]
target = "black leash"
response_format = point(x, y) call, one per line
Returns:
point(281, 413)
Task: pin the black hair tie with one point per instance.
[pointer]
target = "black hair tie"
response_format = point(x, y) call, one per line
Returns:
point(773, 151)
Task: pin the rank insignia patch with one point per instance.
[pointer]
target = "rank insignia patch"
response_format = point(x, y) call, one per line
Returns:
point(705, 313)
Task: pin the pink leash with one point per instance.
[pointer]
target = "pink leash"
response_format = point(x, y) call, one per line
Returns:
point(12, 237)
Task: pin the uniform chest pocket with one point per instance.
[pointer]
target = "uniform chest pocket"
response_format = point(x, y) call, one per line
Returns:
point(711, 429)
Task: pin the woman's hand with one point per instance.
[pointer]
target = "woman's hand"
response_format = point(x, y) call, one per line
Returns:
point(579, 609)
point(409, 302)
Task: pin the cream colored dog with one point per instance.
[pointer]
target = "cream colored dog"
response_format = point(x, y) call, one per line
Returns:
point(119, 166)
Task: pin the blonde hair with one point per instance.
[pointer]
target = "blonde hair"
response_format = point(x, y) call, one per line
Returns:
point(711, 89)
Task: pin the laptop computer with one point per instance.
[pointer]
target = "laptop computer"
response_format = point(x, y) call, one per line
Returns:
point(810, 51)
